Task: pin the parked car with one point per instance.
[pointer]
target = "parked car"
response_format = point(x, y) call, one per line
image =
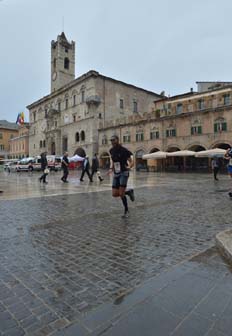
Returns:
point(10, 165)
point(29, 164)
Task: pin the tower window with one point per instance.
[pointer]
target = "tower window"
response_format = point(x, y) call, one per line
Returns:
point(54, 63)
point(66, 50)
point(77, 137)
point(74, 100)
point(121, 103)
point(82, 136)
point(66, 63)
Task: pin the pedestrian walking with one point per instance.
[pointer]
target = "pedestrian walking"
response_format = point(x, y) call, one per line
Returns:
point(215, 164)
point(121, 163)
point(85, 169)
point(44, 167)
point(64, 166)
point(228, 156)
point(95, 168)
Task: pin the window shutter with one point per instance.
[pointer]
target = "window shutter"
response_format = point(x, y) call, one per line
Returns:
point(224, 126)
point(199, 130)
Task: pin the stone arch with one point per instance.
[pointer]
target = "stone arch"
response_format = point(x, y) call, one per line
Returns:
point(80, 151)
point(173, 148)
point(196, 164)
point(196, 147)
point(174, 163)
point(154, 149)
point(223, 144)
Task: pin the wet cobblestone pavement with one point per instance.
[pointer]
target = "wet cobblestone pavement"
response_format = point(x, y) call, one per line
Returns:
point(65, 250)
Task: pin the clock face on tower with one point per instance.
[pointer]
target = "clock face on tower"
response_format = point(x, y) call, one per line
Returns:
point(54, 75)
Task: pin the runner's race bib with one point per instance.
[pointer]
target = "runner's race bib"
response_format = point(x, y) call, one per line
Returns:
point(117, 167)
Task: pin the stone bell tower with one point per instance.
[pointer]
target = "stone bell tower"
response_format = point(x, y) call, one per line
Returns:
point(62, 62)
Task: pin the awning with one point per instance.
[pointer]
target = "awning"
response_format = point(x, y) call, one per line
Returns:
point(155, 155)
point(76, 158)
point(211, 152)
point(182, 153)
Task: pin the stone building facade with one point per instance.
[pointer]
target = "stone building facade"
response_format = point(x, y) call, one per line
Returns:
point(8, 130)
point(69, 117)
point(194, 121)
point(19, 145)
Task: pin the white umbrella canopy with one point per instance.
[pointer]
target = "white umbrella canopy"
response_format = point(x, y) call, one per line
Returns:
point(182, 153)
point(155, 155)
point(76, 158)
point(211, 152)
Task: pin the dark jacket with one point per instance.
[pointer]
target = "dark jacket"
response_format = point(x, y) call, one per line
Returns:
point(44, 161)
point(95, 164)
point(85, 165)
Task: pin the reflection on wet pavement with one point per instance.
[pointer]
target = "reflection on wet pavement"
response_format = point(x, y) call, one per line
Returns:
point(66, 254)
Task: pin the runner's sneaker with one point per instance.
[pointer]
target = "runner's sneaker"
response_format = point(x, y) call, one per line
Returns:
point(131, 194)
point(126, 214)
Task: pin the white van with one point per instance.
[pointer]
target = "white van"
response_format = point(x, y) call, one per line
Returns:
point(29, 164)
point(54, 162)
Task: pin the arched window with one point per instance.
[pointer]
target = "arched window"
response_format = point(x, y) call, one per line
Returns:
point(66, 63)
point(82, 136)
point(77, 137)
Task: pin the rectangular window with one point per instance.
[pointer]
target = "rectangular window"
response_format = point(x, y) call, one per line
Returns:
point(201, 104)
point(135, 106)
point(82, 96)
point(1, 147)
point(74, 118)
point(66, 104)
point(126, 138)
point(139, 137)
point(179, 108)
point(121, 104)
point(1, 136)
point(59, 107)
point(74, 100)
point(196, 130)
point(154, 135)
point(171, 133)
point(220, 127)
point(226, 99)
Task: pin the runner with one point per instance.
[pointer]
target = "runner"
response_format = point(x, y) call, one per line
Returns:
point(121, 162)
point(228, 156)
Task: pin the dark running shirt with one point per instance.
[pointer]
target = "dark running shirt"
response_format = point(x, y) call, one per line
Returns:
point(120, 156)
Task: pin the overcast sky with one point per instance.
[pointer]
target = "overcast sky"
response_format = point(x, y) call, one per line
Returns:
point(157, 45)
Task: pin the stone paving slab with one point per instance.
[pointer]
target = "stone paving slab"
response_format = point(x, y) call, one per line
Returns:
point(64, 253)
point(194, 303)
point(224, 243)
